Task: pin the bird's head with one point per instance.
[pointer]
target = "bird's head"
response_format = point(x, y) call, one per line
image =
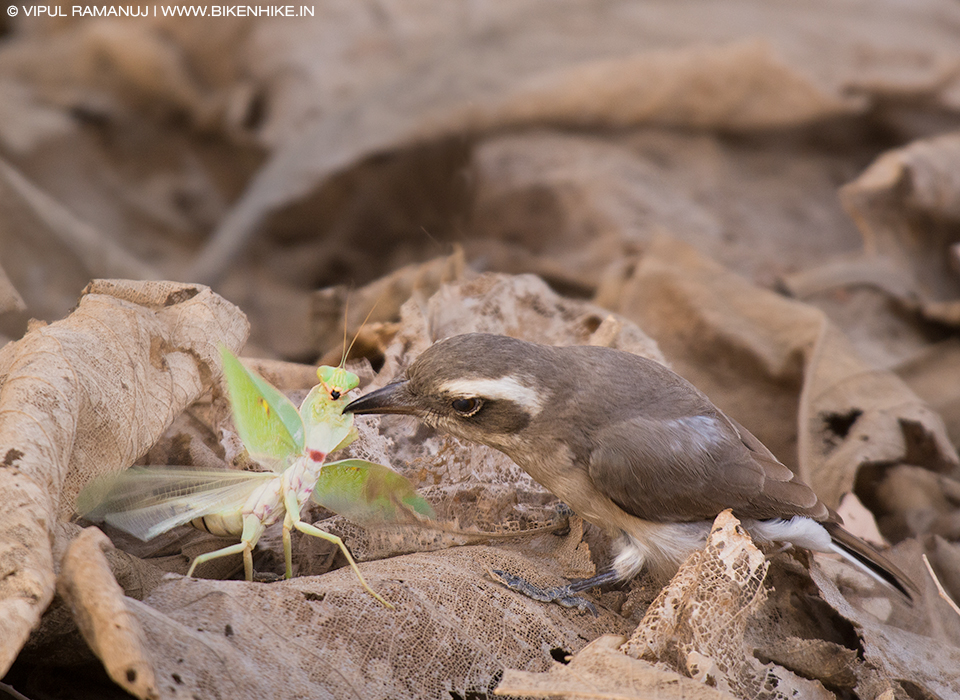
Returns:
point(479, 387)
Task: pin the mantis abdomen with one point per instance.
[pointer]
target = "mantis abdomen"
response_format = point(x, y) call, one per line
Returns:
point(220, 524)
point(267, 502)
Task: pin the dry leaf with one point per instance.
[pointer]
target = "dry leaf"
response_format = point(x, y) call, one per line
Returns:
point(98, 606)
point(85, 396)
point(378, 302)
point(775, 364)
point(920, 662)
point(930, 375)
point(906, 207)
point(375, 95)
point(601, 670)
point(697, 625)
point(693, 630)
point(452, 631)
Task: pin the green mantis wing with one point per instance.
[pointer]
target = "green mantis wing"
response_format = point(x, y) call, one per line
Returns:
point(269, 424)
point(146, 502)
point(365, 491)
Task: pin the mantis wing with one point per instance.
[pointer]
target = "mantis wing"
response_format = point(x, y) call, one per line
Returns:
point(146, 502)
point(365, 491)
point(268, 422)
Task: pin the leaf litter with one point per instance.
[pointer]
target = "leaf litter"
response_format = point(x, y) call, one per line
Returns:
point(677, 165)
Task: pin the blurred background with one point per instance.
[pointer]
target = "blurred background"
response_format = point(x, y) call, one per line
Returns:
point(769, 190)
point(273, 156)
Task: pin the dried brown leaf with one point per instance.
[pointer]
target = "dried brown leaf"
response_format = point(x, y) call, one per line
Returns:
point(690, 643)
point(602, 670)
point(338, 312)
point(897, 654)
point(780, 368)
point(582, 69)
point(85, 396)
point(452, 631)
point(946, 562)
point(851, 414)
point(100, 611)
point(930, 375)
point(907, 209)
point(828, 662)
point(697, 625)
point(522, 306)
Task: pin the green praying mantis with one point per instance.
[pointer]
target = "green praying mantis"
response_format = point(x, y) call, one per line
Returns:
point(293, 446)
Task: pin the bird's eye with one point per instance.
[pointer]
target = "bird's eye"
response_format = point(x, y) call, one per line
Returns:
point(468, 406)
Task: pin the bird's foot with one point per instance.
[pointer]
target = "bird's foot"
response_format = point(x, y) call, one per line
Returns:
point(563, 595)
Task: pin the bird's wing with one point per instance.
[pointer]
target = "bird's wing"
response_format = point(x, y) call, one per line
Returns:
point(691, 468)
point(781, 486)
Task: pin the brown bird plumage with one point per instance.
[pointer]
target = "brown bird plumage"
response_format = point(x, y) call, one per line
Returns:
point(628, 444)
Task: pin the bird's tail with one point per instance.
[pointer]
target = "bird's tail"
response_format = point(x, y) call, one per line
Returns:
point(870, 561)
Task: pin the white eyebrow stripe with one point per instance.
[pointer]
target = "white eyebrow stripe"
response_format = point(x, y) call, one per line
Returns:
point(506, 388)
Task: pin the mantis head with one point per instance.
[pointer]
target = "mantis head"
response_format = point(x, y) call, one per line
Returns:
point(326, 428)
point(337, 381)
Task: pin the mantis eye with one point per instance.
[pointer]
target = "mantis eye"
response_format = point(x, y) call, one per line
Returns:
point(467, 407)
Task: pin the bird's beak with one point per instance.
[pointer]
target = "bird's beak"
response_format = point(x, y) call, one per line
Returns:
point(393, 398)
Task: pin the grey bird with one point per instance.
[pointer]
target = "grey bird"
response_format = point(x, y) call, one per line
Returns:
point(628, 444)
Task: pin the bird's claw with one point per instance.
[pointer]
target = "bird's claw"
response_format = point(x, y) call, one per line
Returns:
point(563, 595)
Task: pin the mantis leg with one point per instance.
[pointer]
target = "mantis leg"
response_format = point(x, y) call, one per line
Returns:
point(240, 547)
point(293, 514)
point(252, 529)
point(287, 547)
point(317, 532)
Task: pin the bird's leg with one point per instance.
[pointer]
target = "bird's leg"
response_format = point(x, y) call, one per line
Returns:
point(562, 595)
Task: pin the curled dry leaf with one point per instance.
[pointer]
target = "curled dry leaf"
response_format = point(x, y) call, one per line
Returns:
point(522, 306)
point(930, 376)
point(690, 642)
point(378, 302)
point(915, 661)
point(709, 70)
point(697, 625)
point(907, 207)
point(85, 396)
point(101, 613)
point(738, 86)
